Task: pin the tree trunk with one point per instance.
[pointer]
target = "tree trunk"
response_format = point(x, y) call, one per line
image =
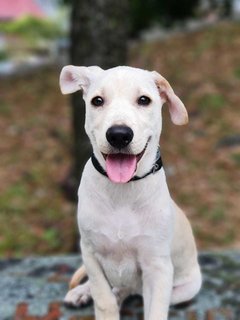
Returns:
point(99, 34)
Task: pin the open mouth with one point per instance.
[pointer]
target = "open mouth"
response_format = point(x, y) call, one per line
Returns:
point(121, 167)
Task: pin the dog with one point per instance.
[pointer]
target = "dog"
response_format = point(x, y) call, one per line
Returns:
point(134, 238)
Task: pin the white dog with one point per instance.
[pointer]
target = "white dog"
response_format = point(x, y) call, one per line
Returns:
point(134, 238)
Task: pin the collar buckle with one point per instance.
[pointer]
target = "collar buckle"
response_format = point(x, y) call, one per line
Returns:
point(155, 168)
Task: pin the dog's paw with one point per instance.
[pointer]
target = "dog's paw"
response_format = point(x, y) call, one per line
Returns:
point(78, 297)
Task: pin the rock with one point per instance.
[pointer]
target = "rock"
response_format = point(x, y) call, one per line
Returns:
point(33, 288)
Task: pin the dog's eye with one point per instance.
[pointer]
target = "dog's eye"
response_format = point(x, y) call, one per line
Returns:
point(97, 101)
point(143, 101)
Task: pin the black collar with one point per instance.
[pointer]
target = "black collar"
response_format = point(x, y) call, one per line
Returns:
point(156, 166)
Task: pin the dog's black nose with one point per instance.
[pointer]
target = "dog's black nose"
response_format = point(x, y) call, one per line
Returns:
point(119, 136)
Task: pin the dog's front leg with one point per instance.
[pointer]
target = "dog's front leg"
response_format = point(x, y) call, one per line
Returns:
point(157, 276)
point(105, 302)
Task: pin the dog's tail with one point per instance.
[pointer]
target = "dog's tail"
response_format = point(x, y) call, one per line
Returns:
point(77, 277)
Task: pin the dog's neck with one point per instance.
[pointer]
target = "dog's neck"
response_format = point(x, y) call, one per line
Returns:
point(157, 165)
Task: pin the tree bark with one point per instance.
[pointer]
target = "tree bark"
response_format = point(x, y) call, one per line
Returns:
point(99, 34)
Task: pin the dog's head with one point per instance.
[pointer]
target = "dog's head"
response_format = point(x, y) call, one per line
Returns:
point(123, 115)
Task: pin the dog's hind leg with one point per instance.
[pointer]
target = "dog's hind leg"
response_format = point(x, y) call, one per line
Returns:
point(186, 291)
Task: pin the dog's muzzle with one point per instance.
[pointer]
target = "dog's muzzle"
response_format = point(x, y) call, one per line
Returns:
point(155, 167)
point(120, 165)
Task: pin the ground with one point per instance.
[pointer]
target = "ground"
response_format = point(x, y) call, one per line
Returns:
point(202, 160)
point(34, 289)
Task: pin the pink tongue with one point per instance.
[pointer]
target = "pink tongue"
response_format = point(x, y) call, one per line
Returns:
point(121, 167)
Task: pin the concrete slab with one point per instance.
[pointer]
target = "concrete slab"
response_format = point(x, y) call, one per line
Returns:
point(33, 288)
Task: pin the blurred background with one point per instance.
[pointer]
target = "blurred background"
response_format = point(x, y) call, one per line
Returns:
point(195, 44)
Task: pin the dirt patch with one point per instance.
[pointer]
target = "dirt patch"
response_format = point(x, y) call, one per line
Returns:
point(203, 172)
point(204, 178)
point(35, 151)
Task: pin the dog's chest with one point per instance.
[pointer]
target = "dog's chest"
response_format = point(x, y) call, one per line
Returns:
point(120, 224)
point(116, 248)
point(116, 239)
point(116, 231)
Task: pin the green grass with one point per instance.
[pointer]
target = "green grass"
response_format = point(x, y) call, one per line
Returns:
point(5, 109)
point(3, 55)
point(217, 215)
point(217, 239)
point(205, 44)
point(236, 72)
point(32, 28)
point(212, 102)
point(29, 220)
point(236, 158)
point(14, 199)
point(51, 237)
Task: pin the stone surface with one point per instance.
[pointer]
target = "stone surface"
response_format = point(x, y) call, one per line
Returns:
point(33, 288)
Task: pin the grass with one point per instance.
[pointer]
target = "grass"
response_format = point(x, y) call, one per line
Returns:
point(36, 143)
point(237, 72)
point(3, 55)
point(30, 222)
point(217, 215)
point(212, 102)
point(34, 216)
point(5, 109)
point(206, 179)
point(236, 158)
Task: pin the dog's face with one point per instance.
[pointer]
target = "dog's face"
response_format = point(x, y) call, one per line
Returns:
point(123, 115)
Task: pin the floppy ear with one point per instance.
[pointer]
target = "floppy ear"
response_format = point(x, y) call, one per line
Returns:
point(74, 78)
point(178, 112)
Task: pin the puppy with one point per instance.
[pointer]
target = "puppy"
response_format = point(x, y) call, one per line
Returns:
point(134, 238)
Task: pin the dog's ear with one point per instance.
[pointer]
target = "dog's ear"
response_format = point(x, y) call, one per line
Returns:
point(178, 112)
point(74, 78)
